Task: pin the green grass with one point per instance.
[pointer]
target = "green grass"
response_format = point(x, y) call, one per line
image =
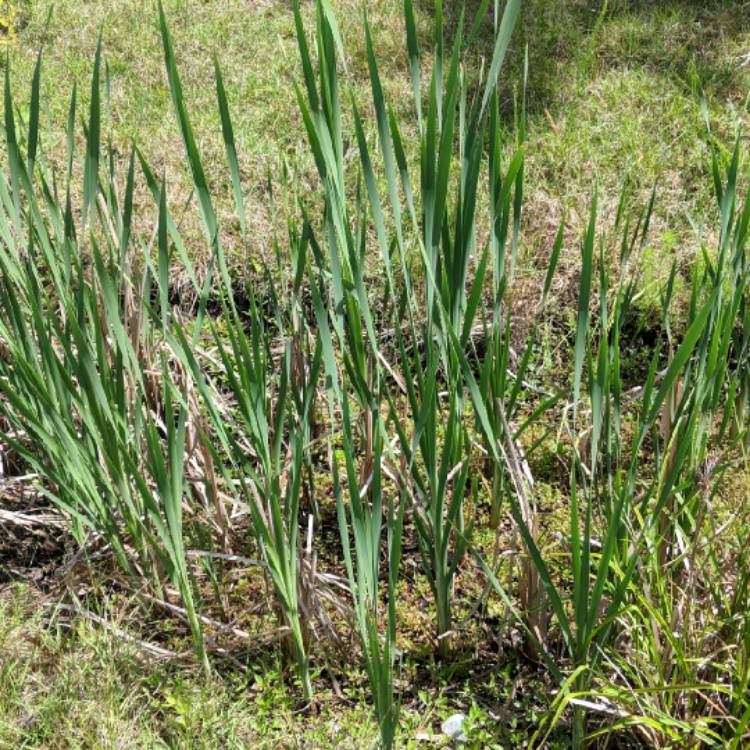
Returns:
point(615, 102)
point(386, 385)
point(256, 47)
point(87, 687)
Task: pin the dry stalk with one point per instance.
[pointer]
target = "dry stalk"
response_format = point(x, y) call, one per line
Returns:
point(530, 589)
point(201, 469)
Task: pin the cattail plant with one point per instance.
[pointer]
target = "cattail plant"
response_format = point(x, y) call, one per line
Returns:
point(363, 515)
point(268, 478)
point(452, 137)
point(144, 441)
point(702, 416)
point(601, 571)
point(85, 412)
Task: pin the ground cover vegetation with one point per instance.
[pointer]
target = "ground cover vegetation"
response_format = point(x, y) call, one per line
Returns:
point(430, 463)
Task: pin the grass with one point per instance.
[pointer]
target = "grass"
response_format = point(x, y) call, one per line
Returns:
point(259, 61)
point(126, 699)
point(363, 436)
point(593, 98)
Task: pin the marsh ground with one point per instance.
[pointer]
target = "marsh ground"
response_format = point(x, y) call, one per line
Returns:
point(614, 94)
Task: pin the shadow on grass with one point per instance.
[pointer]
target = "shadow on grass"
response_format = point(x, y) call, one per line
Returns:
point(570, 43)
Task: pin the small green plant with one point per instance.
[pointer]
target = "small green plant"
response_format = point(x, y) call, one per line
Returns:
point(365, 516)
